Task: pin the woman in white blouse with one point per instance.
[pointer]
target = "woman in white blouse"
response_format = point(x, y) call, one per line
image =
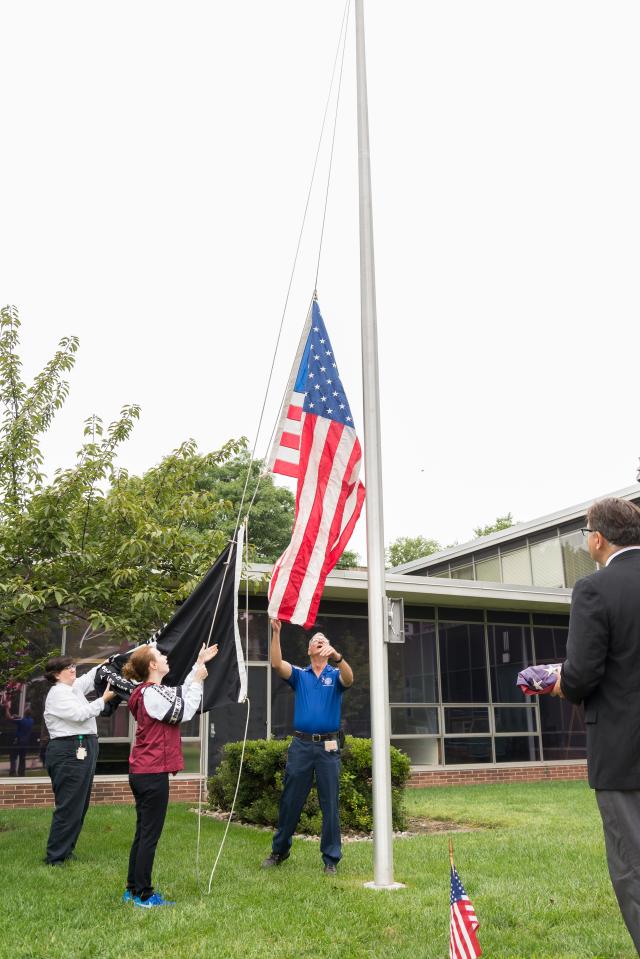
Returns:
point(71, 753)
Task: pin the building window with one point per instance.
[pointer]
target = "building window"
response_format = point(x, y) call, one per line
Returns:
point(463, 663)
point(515, 719)
point(414, 720)
point(517, 749)
point(546, 563)
point(510, 650)
point(466, 719)
point(516, 567)
point(413, 668)
point(462, 572)
point(254, 636)
point(226, 724)
point(576, 560)
point(467, 750)
point(488, 569)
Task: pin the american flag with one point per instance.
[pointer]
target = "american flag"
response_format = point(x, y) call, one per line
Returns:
point(463, 942)
point(317, 444)
point(538, 680)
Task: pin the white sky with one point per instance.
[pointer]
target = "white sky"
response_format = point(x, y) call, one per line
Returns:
point(153, 172)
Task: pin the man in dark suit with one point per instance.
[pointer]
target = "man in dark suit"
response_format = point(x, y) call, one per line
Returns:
point(602, 671)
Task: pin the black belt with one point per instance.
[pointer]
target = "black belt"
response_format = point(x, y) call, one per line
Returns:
point(57, 739)
point(315, 737)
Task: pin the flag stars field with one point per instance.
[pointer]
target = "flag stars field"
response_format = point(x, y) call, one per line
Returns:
point(317, 445)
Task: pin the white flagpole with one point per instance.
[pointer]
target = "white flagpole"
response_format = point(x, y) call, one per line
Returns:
point(382, 819)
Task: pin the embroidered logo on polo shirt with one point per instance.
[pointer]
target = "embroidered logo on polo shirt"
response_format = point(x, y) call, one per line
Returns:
point(327, 681)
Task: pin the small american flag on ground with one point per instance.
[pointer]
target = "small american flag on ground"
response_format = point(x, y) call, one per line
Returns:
point(463, 942)
point(317, 444)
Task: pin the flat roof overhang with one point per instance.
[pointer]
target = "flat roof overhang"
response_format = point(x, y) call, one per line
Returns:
point(351, 586)
point(511, 535)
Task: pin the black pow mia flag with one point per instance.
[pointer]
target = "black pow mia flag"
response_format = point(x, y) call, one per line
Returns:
point(182, 637)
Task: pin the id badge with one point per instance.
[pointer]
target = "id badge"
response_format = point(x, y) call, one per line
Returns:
point(330, 745)
point(81, 752)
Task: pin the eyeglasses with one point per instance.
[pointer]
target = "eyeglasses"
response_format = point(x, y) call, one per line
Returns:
point(585, 530)
point(72, 666)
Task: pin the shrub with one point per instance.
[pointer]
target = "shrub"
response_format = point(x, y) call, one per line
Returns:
point(262, 777)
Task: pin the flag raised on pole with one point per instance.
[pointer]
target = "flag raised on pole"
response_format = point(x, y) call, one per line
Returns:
point(316, 444)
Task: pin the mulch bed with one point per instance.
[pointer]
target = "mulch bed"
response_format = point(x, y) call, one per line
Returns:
point(415, 827)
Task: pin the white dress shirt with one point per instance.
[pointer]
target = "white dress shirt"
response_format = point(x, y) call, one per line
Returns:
point(155, 701)
point(625, 549)
point(67, 711)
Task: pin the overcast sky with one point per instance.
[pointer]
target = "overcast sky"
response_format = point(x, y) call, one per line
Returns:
point(155, 164)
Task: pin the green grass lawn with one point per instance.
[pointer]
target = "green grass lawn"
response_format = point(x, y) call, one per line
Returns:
point(535, 872)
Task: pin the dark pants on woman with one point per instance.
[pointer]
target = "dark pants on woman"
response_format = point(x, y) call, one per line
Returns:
point(71, 779)
point(17, 760)
point(151, 793)
point(303, 760)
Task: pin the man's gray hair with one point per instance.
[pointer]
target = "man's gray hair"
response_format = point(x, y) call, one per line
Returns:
point(318, 636)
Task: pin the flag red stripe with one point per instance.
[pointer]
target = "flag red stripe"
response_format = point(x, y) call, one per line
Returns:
point(294, 412)
point(305, 485)
point(307, 480)
point(303, 556)
point(286, 469)
point(463, 930)
point(334, 552)
point(292, 440)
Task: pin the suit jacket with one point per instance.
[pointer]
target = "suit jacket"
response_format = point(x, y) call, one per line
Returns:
point(602, 670)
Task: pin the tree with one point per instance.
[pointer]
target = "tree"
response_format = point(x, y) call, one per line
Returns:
point(272, 507)
point(94, 545)
point(407, 548)
point(502, 522)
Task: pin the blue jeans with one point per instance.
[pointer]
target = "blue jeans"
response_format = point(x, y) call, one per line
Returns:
point(303, 760)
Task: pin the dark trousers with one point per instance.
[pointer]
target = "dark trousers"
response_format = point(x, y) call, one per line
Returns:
point(71, 779)
point(620, 811)
point(151, 793)
point(17, 760)
point(303, 760)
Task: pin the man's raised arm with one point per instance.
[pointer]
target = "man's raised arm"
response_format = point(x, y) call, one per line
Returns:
point(281, 666)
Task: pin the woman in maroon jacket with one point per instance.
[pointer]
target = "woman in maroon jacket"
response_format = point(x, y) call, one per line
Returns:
point(156, 752)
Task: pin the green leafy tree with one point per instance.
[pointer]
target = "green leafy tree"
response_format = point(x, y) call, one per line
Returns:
point(407, 548)
point(94, 545)
point(502, 522)
point(272, 507)
point(348, 560)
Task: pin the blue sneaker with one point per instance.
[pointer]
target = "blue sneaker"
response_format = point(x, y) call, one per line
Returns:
point(127, 896)
point(153, 901)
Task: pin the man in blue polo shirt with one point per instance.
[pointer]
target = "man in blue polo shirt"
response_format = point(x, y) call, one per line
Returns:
point(314, 748)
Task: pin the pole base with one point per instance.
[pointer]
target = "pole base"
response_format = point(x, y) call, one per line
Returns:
point(390, 886)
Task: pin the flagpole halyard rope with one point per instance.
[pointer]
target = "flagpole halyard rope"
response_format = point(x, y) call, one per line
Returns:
point(342, 40)
point(235, 796)
point(295, 261)
point(333, 141)
point(342, 36)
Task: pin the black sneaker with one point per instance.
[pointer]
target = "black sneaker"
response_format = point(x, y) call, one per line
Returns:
point(275, 859)
point(330, 869)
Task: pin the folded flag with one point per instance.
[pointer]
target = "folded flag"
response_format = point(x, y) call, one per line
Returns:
point(538, 680)
point(316, 443)
point(463, 942)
